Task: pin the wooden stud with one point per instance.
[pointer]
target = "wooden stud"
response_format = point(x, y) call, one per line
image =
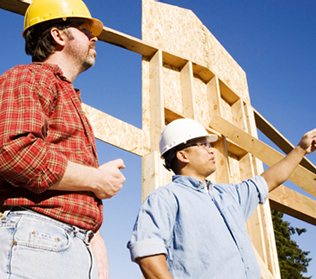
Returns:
point(157, 119)
point(187, 90)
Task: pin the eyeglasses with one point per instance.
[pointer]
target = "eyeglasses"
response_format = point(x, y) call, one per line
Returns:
point(204, 144)
point(78, 25)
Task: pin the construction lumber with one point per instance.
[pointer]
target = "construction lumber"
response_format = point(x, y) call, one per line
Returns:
point(276, 137)
point(265, 272)
point(157, 118)
point(294, 204)
point(301, 176)
point(115, 132)
point(187, 91)
point(15, 6)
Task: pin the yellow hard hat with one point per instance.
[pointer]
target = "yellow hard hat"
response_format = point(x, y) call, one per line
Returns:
point(40, 11)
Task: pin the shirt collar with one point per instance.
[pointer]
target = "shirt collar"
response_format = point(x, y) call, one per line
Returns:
point(190, 182)
point(54, 68)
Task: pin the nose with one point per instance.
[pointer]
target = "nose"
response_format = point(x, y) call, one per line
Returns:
point(210, 150)
point(94, 39)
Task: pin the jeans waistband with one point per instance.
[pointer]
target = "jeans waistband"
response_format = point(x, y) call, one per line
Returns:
point(85, 235)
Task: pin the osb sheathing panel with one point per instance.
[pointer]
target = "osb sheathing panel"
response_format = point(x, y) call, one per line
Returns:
point(114, 131)
point(226, 111)
point(179, 31)
point(173, 94)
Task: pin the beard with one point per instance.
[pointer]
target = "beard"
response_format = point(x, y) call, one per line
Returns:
point(88, 62)
point(82, 60)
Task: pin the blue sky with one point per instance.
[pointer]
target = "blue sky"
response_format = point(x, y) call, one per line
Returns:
point(273, 41)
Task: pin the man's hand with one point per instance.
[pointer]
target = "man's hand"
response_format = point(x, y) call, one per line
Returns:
point(99, 251)
point(104, 181)
point(110, 179)
point(308, 142)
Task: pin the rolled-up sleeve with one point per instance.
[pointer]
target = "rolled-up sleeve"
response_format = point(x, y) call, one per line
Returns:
point(25, 159)
point(262, 187)
point(251, 192)
point(154, 225)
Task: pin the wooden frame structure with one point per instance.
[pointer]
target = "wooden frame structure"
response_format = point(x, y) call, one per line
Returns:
point(187, 73)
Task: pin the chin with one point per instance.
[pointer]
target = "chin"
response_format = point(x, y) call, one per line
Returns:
point(87, 65)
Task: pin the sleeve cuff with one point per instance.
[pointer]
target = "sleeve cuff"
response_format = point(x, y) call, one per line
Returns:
point(262, 187)
point(146, 247)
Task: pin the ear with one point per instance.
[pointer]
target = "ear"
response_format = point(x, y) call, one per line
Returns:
point(58, 36)
point(182, 156)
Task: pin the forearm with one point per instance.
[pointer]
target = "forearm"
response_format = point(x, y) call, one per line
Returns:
point(77, 178)
point(281, 171)
point(154, 267)
point(104, 181)
point(100, 254)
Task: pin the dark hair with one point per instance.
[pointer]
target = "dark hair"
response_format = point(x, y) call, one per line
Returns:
point(38, 41)
point(171, 161)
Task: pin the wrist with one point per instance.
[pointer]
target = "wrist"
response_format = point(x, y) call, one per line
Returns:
point(300, 150)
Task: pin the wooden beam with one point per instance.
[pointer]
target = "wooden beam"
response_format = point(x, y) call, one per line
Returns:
point(239, 115)
point(131, 43)
point(214, 96)
point(15, 6)
point(122, 40)
point(265, 272)
point(156, 100)
point(278, 139)
point(187, 91)
point(301, 176)
point(294, 204)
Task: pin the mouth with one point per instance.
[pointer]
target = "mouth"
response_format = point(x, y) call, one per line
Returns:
point(92, 49)
point(92, 46)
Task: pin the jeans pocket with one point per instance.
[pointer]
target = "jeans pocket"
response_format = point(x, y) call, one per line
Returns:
point(41, 234)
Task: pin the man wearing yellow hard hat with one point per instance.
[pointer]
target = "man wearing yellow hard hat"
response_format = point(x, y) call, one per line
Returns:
point(51, 185)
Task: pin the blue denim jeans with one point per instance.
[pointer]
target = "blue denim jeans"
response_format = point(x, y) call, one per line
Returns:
point(37, 247)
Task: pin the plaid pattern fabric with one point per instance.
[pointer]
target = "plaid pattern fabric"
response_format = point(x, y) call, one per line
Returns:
point(42, 126)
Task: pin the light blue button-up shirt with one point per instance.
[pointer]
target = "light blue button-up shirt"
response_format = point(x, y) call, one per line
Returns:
point(202, 233)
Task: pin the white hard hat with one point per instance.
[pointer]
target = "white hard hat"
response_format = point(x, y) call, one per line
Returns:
point(181, 131)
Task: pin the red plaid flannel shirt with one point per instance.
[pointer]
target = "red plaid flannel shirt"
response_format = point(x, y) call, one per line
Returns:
point(42, 127)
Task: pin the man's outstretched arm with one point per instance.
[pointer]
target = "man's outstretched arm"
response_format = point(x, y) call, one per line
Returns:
point(281, 171)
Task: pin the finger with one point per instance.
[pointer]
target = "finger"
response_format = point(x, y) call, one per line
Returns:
point(122, 167)
point(120, 163)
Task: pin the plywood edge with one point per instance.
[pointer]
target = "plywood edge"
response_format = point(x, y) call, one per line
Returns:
point(294, 204)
